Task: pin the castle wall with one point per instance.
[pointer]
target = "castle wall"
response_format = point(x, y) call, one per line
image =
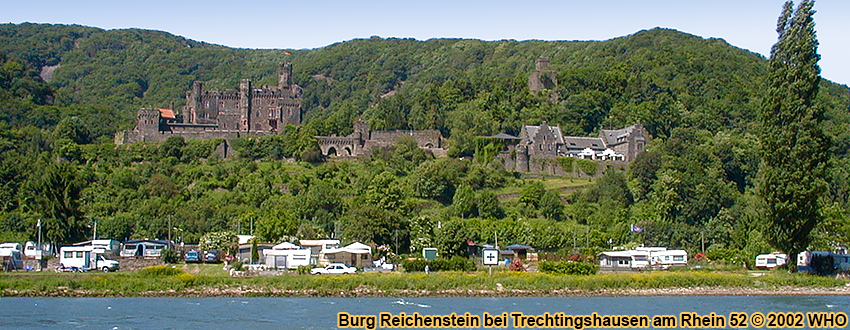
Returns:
point(424, 138)
point(135, 136)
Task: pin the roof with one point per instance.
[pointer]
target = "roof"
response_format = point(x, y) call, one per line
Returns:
point(317, 242)
point(575, 142)
point(286, 246)
point(612, 136)
point(528, 132)
point(519, 247)
point(166, 113)
point(154, 241)
point(353, 248)
point(504, 136)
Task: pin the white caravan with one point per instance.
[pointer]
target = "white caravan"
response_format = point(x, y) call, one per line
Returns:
point(83, 258)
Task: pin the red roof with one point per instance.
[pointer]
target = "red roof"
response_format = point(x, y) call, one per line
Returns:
point(166, 113)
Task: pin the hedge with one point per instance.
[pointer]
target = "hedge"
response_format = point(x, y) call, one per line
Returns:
point(455, 263)
point(568, 268)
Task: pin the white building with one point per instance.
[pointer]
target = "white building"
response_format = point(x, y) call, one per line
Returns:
point(286, 255)
point(642, 258)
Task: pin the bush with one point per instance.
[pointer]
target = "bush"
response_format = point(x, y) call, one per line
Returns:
point(455, 263)
point(170, 256)
point(568, 268)
point(236, 265)
point(304, 269)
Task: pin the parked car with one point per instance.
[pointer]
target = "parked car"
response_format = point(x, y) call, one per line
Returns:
point(212, 256)
point(334, 268)
point(192, 256)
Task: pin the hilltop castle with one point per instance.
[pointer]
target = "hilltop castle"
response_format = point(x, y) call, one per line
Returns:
point(223, 114)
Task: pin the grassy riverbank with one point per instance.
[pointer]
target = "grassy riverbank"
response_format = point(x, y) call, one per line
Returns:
point(206, 281)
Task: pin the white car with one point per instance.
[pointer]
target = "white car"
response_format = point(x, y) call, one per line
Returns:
point(334, 268)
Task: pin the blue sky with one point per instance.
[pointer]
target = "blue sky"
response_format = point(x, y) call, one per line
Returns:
point(285, 24)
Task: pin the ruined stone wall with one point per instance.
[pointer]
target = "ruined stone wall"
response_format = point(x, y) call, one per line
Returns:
point(423, 138)
point(134, 136)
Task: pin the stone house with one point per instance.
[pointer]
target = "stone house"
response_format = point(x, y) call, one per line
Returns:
point(537, 147)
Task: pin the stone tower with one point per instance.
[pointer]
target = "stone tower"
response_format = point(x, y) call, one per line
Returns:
point(542, 78)
point(245, 104)
point(285, 75)
point(193, 100)
point(148, 121)
point(542, 64)
point(362, 130)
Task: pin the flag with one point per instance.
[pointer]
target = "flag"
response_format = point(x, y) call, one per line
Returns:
point(636, 229)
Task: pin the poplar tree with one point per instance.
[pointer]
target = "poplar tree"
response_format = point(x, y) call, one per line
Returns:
point(794, 148)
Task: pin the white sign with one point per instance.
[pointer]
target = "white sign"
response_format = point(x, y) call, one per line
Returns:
point(490, 256)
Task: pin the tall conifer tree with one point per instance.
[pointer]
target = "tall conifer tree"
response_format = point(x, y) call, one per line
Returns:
point(793, 146)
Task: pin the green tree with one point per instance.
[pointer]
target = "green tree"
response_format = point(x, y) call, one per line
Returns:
point(794, 149)
point(55, 194)
point(531, 194)
point(464, 202)
point(550, 206)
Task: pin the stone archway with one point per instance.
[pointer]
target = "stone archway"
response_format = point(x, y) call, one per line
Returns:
point(331, 152)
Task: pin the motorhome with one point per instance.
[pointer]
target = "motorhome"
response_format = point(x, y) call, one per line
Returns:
point(771, 260)
point(83, 258)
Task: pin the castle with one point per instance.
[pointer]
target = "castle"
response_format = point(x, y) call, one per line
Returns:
point(538, 146)
point(260, 111)
point(223, 114)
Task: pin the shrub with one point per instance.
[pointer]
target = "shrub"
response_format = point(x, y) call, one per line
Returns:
point(455, 263)
point(568, 268)
point(170, 256)
point(236, 265)
point(304, 269)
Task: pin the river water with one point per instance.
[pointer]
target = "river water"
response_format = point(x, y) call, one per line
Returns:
point(321, 313)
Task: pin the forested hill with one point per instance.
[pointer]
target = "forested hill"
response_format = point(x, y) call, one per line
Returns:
point(65, 90)
point(662, 77)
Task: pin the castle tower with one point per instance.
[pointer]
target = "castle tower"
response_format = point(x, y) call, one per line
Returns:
point(193, 101)
point(522, 158)
point(362, 130)
point(147, 121)
point(245, 104)
point(542, 78)
point(285, 75)
point(542, 64)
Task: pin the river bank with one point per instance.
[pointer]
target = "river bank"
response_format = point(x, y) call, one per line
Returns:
point(171, 282)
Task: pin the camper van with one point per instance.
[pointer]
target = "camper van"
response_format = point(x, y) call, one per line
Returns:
point(83, 258)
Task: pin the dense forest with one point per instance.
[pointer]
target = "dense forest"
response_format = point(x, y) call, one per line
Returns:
point(65, 90)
